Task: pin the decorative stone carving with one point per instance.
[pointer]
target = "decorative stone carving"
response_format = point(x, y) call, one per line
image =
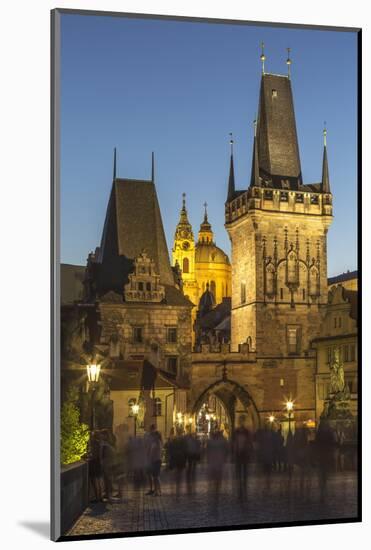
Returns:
point(144, 283)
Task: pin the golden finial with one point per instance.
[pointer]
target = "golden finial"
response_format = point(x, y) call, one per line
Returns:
point(184, 196)
point(262, 57)
point(205, 214)
point(288, 62)
point(231, 142)
point(325, 135)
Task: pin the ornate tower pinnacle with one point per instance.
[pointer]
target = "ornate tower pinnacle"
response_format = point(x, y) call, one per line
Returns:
point(114, 164)
point(231, 184)
point(288, 62)
point(262, 57)
point(254, 180)
point(325, 172)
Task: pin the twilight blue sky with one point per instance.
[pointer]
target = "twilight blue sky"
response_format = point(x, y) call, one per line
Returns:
point(179, 88)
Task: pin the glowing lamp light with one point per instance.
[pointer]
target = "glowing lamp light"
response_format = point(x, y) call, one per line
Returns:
point(179, 417)
point(93, 372)
point(190, 420)
point(289, 405)
point(135, 408)
point(271, 418)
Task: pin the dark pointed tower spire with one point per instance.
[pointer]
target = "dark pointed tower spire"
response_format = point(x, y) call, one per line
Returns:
point(254, 180)
point(114, 164)
point(153, 168)
point(231, 184)
point(325, 173)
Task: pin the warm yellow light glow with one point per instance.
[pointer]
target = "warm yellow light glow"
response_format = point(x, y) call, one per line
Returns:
point(271, 418)
point(289, 405)
point(135, 408)
point(207, 416)
point(190, 420)
point(93, 372)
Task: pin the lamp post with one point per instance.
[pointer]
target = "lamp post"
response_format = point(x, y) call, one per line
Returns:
point(93, 373)
point(271, 419)
point(135, 411)
point(289, 408)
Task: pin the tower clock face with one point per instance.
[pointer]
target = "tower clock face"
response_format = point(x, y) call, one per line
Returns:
point(185, 245)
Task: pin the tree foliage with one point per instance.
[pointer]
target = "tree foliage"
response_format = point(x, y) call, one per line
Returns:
point(74, 434)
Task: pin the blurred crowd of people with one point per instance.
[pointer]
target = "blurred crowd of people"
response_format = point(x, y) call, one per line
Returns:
point(115, 461)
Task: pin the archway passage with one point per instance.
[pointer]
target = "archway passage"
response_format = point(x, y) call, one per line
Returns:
point(220, 406)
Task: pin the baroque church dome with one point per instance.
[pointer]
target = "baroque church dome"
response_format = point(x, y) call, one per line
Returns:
point(210, 253)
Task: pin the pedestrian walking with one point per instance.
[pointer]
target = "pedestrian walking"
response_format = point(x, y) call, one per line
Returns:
point(107, 453)
point(193, 455)
point(242, 453)
point(216, 452)
point(95, 466)
point(155, 453)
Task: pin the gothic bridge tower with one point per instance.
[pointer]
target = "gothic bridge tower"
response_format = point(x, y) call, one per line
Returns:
point(278, 230)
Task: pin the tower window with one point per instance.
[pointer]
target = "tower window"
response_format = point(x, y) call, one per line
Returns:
point(137, 335)
point(243, 293)
point(293, 339)
point(281, 293)
point(172, 335)
point(172, 364)
point(303, 293)
point(140, 286)
point(274, 93)
point(148, 286)
point(185, 265)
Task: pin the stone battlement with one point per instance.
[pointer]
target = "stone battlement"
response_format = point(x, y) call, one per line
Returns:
point(278, 200)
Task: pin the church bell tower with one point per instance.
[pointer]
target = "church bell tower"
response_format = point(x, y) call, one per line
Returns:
point(184, 254)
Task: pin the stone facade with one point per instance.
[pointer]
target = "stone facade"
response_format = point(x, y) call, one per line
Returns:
point(339, 330)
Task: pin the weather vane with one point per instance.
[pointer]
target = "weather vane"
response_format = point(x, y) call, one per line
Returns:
point(262, 57)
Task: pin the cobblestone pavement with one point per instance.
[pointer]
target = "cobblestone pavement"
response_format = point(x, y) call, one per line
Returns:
point(265, 502)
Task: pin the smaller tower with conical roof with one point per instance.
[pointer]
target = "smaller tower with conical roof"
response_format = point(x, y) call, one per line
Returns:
point(205, 235)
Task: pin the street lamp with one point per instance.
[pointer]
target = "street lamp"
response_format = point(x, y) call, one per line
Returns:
point(135, 411)
point(289, 408)
point(93, 373)
point(271, 419)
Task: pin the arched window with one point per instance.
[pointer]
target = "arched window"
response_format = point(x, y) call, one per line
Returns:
point(313, 281)
point(292, 275)
point(185, 265)
point(157, 407)
point(270, 279)
point(213, 288)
